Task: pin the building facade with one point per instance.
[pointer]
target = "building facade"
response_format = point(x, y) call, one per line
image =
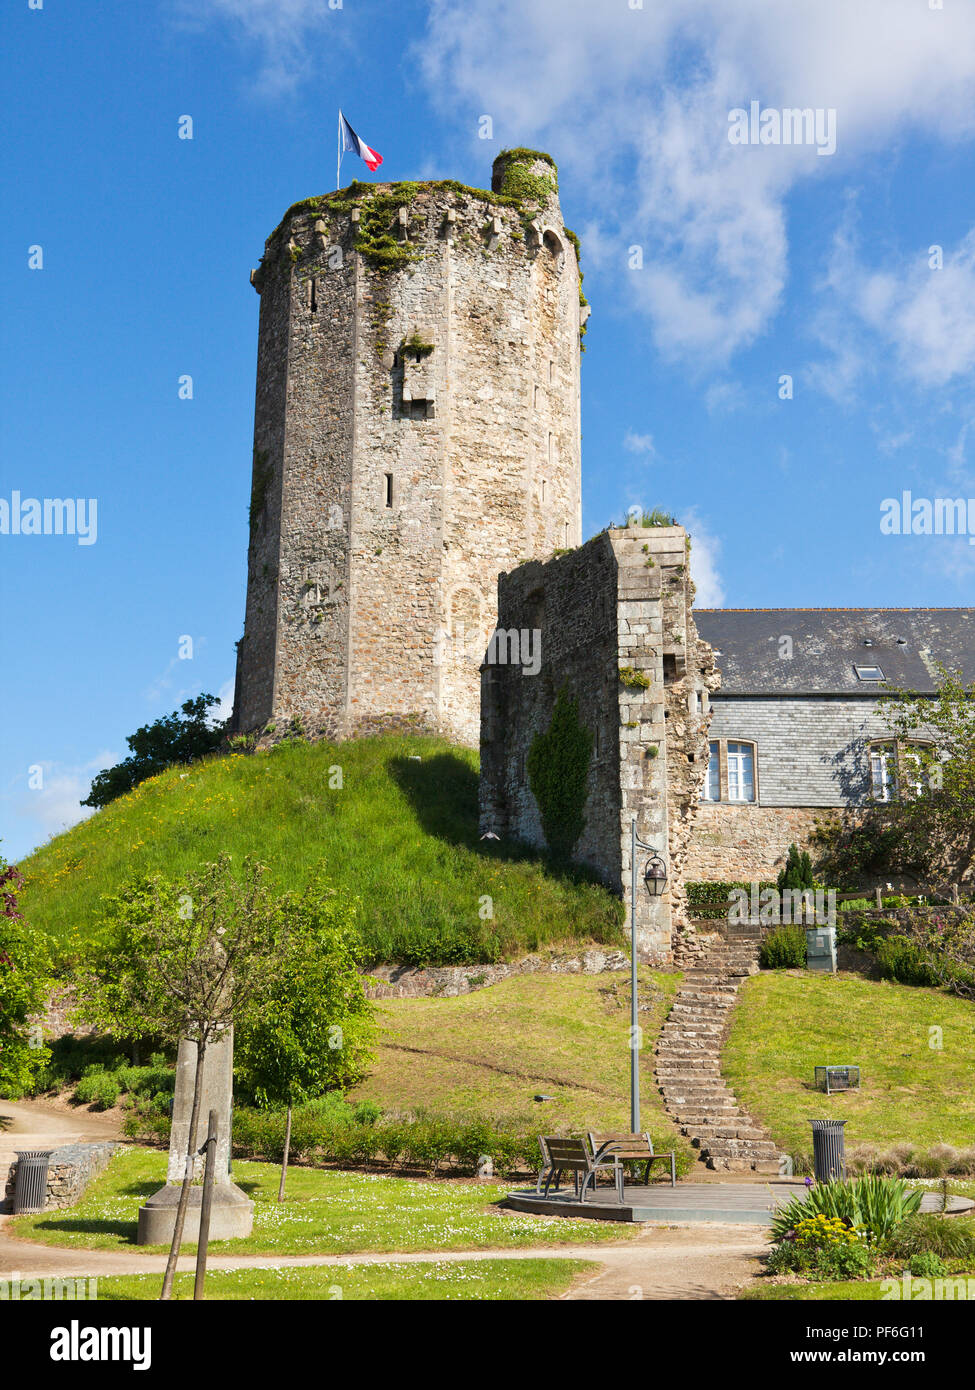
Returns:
point(798, 729)
point(416, 431)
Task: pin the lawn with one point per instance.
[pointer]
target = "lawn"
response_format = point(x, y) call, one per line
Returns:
point(491, 1052)
point(327, 1213)
point(438, 1281)
point(860, 1291)
point(788, 1022)
point(400, 833)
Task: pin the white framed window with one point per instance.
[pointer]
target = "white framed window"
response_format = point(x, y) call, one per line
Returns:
point(883, 778)
point(741, 772)
point(711, 790)
point(869, 673)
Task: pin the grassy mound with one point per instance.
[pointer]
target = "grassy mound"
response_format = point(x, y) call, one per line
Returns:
point(492, 1052)
point(400, 833)
point(915, 1048)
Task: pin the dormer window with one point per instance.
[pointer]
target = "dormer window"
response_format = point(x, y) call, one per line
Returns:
point(869, 673)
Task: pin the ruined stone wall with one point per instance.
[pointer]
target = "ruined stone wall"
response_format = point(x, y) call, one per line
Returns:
point(417, 425)
point(735, 842)
point(617, 634)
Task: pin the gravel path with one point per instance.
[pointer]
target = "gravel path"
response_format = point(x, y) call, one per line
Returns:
point(703, 1261)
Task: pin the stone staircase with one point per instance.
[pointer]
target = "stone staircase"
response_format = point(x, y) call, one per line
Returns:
point(688, 1062)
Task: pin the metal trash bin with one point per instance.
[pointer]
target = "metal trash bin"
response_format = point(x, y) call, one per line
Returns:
point(829, 1156)
point(30, 1186)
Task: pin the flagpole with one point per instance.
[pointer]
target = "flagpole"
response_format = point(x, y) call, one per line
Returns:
point(338, 157)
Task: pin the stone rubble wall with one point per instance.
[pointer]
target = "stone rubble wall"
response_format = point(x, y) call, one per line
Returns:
point(409, 982)
point(620, 603)
point(70, 1170)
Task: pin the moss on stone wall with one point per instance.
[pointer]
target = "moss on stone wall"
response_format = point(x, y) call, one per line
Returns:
point(558, 772)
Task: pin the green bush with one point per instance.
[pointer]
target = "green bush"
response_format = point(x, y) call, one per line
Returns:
point(784, 948)
point(704, 892)
point(98, 1088)
point(927, 1266)
point(878, 1205)
point(905, 961)
point(950, 1238)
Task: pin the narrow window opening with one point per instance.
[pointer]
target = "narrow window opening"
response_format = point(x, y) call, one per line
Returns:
point(551, 446)
point(389, 489)
point(313, 295)
point(535, 397)
point(566, 536)
point(543, 491)
point(551, 371)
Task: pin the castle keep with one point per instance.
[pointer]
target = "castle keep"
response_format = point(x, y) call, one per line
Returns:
point(416, 431)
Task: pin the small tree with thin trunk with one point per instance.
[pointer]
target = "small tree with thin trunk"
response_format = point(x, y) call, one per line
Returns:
point(315, 1032)
point(183, 960)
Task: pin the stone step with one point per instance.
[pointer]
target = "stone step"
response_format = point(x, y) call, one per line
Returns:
point(708, 1073)
point(740, 1148)
point(704, 1134)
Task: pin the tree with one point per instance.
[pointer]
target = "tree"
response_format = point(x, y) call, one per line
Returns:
point(314, 1033)
point(798, 873)
point(925, 831)
point(184, 960)
point(25, 979)
point(933, 802)
point(180, 737)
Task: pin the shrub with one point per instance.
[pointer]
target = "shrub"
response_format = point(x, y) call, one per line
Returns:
point(784, 948)
point(904, 960)
point(877, 1205)
point(845, 1262)
point(98, 1088)
point(927, 1266)
point(950, 1238)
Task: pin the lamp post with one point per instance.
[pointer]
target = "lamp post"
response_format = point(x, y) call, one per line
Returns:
point(655, 881)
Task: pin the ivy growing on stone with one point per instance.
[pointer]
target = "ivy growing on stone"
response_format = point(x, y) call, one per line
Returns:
point(558, 770)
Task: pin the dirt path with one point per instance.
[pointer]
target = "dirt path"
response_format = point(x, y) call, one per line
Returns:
point(44, 1124)
point(699, 1262)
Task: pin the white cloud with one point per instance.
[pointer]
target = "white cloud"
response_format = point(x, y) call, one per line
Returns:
point(634, 103)
point(723, 396)
point(226, 706)
point(37, 813)
point(705, 553)
point(289, 35)
point(639, 443)
point(920, 319)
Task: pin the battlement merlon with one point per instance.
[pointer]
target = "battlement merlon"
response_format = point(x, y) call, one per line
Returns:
point(381, 220)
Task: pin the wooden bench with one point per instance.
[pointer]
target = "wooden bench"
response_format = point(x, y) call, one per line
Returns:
point(632, 1148)
point(575, 1156)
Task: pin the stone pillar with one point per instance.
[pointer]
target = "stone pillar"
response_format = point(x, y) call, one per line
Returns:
point(232, 1214)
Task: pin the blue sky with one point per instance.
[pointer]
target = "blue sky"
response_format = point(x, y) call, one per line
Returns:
point(757, 262)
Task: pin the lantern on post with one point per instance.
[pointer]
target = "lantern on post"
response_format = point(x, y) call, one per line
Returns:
point(655, 882)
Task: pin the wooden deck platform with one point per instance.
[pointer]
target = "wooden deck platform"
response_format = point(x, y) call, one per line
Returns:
point(750, 1204)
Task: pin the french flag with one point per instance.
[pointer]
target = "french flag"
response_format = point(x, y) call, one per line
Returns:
point(351, 141)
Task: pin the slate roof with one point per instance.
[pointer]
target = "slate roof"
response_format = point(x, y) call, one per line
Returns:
point(827, 643)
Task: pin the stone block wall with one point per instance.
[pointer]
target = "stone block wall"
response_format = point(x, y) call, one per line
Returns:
point(616, 633)
point(416, 431)
point(70, 1170)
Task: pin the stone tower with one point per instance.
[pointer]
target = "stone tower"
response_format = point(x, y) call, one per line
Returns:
point(416, 432)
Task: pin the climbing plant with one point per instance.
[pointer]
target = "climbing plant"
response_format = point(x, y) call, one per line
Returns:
point(558, 767)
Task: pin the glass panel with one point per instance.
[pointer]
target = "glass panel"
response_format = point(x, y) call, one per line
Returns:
point(712, 787)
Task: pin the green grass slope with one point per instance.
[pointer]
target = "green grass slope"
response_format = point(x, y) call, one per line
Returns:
point(913, 1092)
point(491, 1052)
point(400, 834)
